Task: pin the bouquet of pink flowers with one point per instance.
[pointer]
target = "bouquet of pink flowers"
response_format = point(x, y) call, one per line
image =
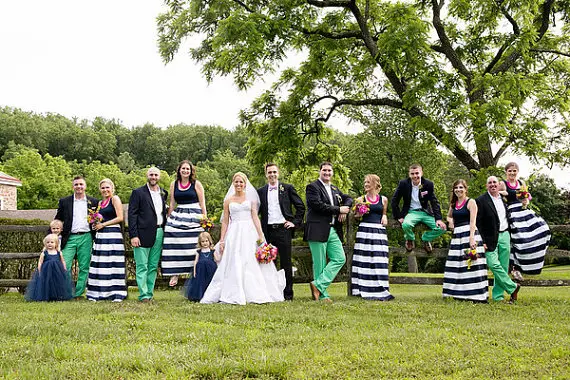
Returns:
point(206, 223)
point(471, 255)
point(361, 207)
point(266, 253)
point(94, 216)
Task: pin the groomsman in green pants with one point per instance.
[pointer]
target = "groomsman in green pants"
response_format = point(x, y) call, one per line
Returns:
point(77, 235)
point(147, 217)
point(420, 206)
point(327, 208)
point(494, 230)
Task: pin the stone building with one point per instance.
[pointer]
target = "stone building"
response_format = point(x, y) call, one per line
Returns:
point(8, 192)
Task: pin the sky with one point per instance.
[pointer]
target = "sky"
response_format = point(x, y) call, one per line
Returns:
point(86, 58)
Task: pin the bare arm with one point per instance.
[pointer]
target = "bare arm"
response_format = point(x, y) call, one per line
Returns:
point(450, 218)
point(201, 198)
point(196, 262)
point(384, 220)
point(41, 261)
point(472, 207)
point(62, 261)
point(225, 221)
point(256, 222)
point(172, 201)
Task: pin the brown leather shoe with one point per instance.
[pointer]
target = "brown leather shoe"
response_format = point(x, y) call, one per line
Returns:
point(515, 294)
point(315, 293)
point(410, 245)
point(427, 247)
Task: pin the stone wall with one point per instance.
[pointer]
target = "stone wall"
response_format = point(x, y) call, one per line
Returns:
point(9, 195)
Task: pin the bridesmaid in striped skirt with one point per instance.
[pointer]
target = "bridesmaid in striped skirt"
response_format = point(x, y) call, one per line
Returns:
point(463, 280)
point(529, 232)
point(107, 269)
point(187, 206)
point(369, 274)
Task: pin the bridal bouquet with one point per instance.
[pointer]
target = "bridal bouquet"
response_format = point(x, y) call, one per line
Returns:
point(94, 216)
point(471, 255)
point(361, 207)
point(266, 253)
point(523, 193)
point(206, 223)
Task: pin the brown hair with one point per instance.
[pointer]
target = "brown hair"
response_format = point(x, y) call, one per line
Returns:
point(453, 198)
point(325, 163)
point(375, 180)
point(510, 164)
point(415, 166)
point(270, 164)
point(192, 171)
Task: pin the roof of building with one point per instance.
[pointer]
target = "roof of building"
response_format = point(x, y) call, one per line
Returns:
point(6, 179)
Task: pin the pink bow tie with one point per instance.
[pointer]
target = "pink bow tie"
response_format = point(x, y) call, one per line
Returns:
point(272, 188)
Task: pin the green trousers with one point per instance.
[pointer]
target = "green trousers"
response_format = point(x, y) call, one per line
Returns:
point(80, 246)
point(498, 263)
point(324, 273)
point(146, 260)
point(418, 216)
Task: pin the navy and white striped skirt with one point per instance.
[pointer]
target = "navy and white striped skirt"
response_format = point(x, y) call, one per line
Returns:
point(107, 269)
point(458, 281)
point(529, 238)
point(180, 239)
point(369, 277)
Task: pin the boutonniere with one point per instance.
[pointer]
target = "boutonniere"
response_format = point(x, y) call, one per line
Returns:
point(281, 188)
point(338, 198)
point(91, 205)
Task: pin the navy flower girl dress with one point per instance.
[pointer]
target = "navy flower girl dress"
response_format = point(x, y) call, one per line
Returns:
point(205, 269)
point(52, 282)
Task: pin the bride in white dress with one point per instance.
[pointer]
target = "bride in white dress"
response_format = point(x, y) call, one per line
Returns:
point(240, 278)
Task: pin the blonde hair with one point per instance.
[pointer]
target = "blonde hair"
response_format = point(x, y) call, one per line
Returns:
point(56, 222)
point(54, 237)
point(375, 181)
point(207, 236)
point(240, 174)
point(107, 180)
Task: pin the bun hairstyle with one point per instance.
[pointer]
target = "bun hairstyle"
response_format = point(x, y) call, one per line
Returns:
point(240, 174)
point(375, 181)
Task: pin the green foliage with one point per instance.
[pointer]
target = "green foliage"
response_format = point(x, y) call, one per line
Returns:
point(418, 335)
point(22, 222)
point(482, 74)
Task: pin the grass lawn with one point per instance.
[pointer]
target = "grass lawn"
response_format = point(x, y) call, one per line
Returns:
point(418, 335)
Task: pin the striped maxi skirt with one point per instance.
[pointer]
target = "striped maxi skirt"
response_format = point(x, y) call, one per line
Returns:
point(458, 281)
point(180, 240)
point(369, 277)
point(529, 238)
point(107, 269)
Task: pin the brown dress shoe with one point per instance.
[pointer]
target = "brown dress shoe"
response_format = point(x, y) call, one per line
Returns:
point(410, 245)
point(315, 293)
point(515, 294)
point(427, 247)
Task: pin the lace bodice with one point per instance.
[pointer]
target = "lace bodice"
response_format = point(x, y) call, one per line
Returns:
point(240, 212)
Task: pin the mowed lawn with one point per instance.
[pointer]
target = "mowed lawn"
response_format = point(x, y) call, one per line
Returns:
point(418, 335)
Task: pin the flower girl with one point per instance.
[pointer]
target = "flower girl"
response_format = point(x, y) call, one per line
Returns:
point(204, 268)
point(50, 282)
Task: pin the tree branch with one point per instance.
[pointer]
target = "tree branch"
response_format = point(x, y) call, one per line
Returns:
point(551, 51)
point(334, 35)
point(244, 6)
point(516, 29)
point(502, 150)
point(446, 47)
point(330, 3)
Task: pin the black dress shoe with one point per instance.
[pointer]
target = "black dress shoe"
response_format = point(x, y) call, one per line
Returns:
point(427, 247)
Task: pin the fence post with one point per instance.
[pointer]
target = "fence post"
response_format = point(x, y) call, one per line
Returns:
point(350, 237)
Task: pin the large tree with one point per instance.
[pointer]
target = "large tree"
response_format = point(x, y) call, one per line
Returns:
point(481, 76)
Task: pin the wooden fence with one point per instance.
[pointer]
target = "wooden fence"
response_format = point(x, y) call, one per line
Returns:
point(26, 261)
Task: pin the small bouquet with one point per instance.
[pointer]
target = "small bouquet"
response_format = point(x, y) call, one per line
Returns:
point(471, 255)
point(94, 216)
point(523, 193)
point(361, 207)
point(206, 223)
point(266, 253)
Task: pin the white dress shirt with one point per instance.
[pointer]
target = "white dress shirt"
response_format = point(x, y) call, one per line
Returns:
point(274, 214)
point(415, 202)
point(329, 192)
point(158, 205)
point(79, 222)
point(501, 212)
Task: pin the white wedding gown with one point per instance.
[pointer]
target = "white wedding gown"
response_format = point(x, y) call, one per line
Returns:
point(240, 279)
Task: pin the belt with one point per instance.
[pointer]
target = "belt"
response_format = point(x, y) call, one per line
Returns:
point(80, 233)
point(276, 226)
point(503, 231)
point(158, 226)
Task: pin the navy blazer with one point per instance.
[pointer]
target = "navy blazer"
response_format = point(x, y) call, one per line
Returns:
point(428, 200)
point(488, 222)
point(65, 214)
point(320, 211)
point(287, 196)
point(142, 215)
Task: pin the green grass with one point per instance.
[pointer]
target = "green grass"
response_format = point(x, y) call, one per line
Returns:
point(549, 272)
point(418, 335)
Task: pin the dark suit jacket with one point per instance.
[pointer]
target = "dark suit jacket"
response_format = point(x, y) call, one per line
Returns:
point(488, 221)
point(428, 200)
point(320, 211)
point(287, 196)
point(142, 215)
point(65, 214)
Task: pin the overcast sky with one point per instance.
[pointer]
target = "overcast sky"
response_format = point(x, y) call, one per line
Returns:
point(85, 58)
